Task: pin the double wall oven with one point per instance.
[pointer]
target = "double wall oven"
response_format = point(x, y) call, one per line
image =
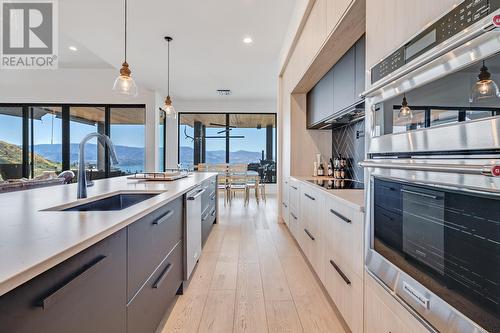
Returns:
point(432, 172)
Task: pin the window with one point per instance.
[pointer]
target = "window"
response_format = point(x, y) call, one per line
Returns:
point(229, 138)
point(39, 139)
point(11, 142)
point(45, 140)
point(127, 131)
point(83, 121)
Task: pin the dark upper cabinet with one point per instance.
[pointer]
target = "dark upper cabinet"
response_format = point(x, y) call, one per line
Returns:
point(86, 293)
point(360, 68)
point(320, 100)
point(344, 81)
point(340, 88)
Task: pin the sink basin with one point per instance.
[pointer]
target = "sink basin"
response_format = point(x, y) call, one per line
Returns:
point(115, 202)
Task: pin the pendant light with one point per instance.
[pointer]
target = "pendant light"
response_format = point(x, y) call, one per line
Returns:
point(485, 87)
point(168, 107)
point(405, 112)
point(124, 83)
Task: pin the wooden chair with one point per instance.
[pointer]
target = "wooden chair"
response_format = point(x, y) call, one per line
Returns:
point(222, 185)
point(202, 167)
point(238, 183)
point(254, 184)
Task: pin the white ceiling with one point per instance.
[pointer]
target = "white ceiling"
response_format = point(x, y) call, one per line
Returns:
point(207, 52)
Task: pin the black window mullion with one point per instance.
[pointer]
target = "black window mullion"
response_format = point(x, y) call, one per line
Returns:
point(32, 143)
point(107, 131)
point(26, 144)
point(65, 137)
point(227, 136)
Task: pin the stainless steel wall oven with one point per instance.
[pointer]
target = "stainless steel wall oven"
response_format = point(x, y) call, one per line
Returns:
point(432, 172)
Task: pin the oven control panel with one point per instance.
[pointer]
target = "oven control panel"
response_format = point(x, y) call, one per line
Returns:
point(458, 19)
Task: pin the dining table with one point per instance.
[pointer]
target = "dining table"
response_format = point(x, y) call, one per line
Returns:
point(250, 176)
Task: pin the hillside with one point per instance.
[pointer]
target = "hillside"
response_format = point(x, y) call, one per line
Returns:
point(12, 154)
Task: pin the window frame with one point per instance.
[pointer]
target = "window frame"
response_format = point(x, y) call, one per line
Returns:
point(65, 108)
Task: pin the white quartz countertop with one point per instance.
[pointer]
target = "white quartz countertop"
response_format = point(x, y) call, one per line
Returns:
point(353, 198)
point(33, 240)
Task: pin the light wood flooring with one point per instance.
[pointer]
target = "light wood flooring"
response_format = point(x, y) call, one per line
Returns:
point(252, 277)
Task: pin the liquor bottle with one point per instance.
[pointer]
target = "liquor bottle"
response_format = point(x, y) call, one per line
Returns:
point(321, 170)
point(330, 168)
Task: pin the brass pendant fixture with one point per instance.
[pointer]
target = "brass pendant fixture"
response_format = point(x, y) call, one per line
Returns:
point(168, 107)
point(124, 83)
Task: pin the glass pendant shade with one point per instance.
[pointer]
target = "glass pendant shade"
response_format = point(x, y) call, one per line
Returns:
point(405, 111)
point(169, 109)
point(124, 83)
point(485, 87)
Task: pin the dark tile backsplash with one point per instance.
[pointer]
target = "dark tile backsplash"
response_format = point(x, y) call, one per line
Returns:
point(346, 142)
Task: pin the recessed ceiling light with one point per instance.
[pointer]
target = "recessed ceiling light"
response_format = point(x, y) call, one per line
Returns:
point(73, 48)
point(248, 40)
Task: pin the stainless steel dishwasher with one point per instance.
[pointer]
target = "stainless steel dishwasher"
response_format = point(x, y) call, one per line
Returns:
point(192, 231)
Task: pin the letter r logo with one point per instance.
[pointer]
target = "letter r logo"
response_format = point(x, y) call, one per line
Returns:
point(27, 28)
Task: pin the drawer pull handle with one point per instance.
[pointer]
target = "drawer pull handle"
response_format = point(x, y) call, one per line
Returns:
point(425, 195)
point(212, 197)
point(293, 215)
point(284, 204)
point(310, 197)
point(340, 216)
point(163, 275)
point(309, 234)
point(212, 213)
point(73, 282)
point(342, 275)
point(295, 187)
point(193, 197)
point(164, 218)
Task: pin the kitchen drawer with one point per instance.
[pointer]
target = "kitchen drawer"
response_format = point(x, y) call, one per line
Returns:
point(149, 240)
point(85, 293)
point(344, 228)
point(293, 194)
point(148, 307)
point(285, 212)
point(294, 222)
point(346, 291)
point(207, 222)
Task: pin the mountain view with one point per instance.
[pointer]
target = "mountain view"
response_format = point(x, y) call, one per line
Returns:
point(13, 155)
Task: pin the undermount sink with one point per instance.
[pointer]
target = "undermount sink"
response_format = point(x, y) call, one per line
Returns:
point(114, 202)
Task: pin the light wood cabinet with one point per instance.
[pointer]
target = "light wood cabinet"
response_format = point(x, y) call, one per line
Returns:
point(344, 227)
point(311, 237)
point(346, 290)
point(285, 203)
point(335, 9)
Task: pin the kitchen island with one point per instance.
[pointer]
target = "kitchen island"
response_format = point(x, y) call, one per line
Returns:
point(38, 239)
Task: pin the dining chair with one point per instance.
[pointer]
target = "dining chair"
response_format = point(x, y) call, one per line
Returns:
point(222, 179)
point(238, 183)
point(259, 188)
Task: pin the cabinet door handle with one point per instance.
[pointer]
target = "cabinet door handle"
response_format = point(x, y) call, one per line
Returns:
point(193, 197)
point(340, 216)
point(293, 215)
point(309, 234)
point(425, 195)
point(284, 204)
point(163, 275)
point(295, 188)
point(212, 213)
point(310, 197)
point(212, 197)
point(72, 283)
point(339, 271)
point(164, 218)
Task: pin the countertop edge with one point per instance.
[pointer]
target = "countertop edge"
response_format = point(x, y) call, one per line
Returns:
point(352, 204)
point(22, 277)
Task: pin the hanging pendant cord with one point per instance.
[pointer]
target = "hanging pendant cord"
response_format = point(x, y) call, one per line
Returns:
point(125, 31)
point(168, 69)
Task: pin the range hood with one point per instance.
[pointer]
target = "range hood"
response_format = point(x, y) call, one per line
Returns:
point(344, 117)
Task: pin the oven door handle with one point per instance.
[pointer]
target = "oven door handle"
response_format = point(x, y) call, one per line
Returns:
point(425, 195)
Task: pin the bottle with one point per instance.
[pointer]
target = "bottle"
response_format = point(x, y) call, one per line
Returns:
point(315, 169)
point(321, 170)
point(330, 168)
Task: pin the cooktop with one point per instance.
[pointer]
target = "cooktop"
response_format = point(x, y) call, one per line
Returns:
point(338, 184)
